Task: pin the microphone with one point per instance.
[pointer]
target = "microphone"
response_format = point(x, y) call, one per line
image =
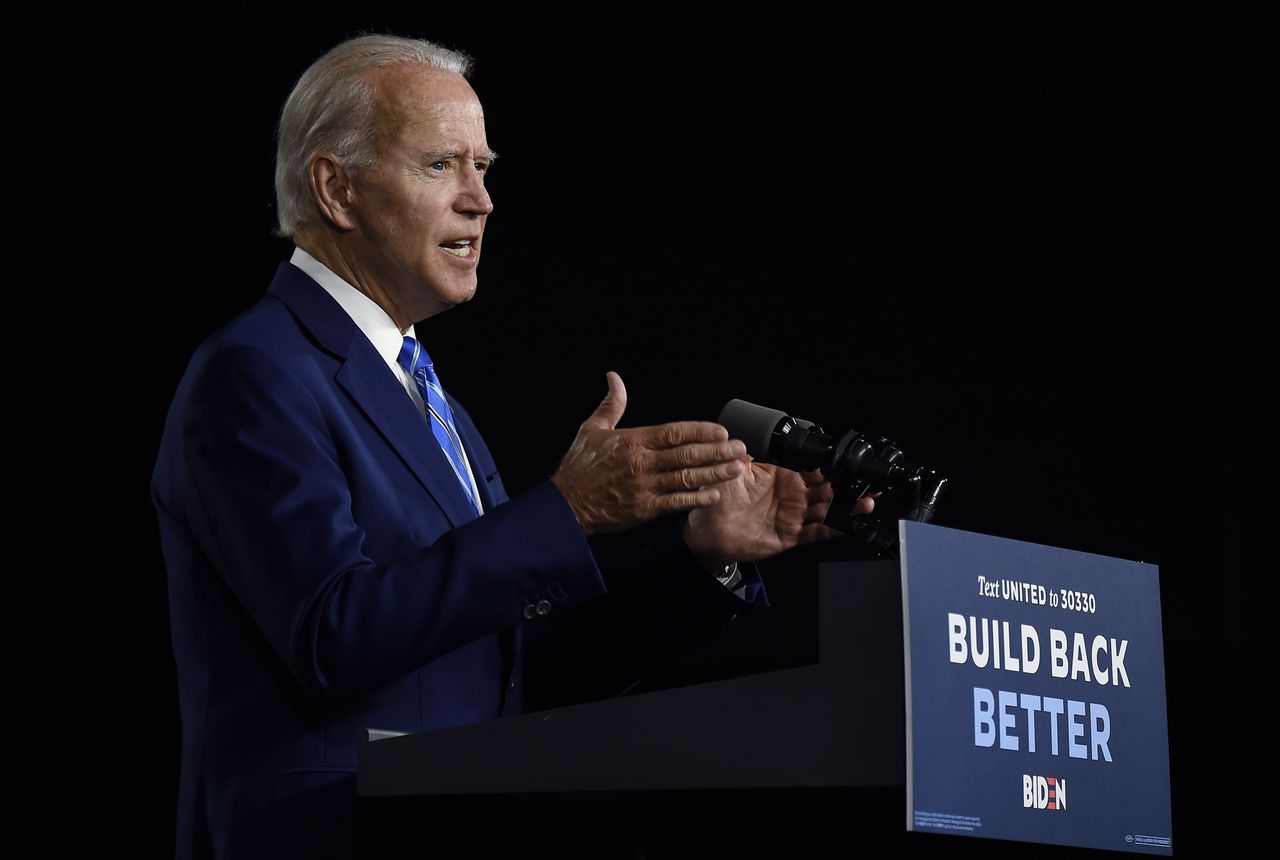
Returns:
point(853, 463)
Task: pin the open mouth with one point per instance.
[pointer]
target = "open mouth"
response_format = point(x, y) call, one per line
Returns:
point(459, 247)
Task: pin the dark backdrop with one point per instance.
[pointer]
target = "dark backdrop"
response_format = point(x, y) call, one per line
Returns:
point(1032, 245)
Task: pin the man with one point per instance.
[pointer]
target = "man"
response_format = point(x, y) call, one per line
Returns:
point(341, 551)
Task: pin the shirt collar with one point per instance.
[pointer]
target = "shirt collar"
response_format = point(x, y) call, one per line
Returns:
point(371, 319)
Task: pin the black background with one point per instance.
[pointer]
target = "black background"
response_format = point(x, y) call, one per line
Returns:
point(1033, 245)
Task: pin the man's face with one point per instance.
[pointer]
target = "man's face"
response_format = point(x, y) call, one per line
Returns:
point(421, 208)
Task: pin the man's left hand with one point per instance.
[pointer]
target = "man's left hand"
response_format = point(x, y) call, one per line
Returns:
point(761, 513)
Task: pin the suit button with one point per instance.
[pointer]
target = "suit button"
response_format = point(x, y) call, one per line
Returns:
point(530, 610)
point(543, 607)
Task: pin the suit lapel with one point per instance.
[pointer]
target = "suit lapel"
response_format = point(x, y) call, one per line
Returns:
point(365, 377)
point(388, 407)
point(482, 466)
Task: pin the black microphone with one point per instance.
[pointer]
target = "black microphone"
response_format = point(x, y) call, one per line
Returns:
point(854, 464)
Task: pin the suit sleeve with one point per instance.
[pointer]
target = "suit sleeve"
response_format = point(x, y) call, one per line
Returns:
point(661, 606)
point(272, 507)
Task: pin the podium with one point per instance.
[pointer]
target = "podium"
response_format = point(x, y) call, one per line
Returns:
point(751, 765)
point(1037, 711)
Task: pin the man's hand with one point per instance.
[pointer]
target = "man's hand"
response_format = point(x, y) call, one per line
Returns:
point(761, 513)
point(615, 479)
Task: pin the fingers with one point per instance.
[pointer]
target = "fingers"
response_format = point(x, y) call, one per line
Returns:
point(819, 489)
point(696, 454)
point(694, 465)
point(692, 478)
point(823, 492)
point(814, 478)
point(609, 412)
point(679, 433)
point(684, 501)
point(816, 532)
point(816, 512)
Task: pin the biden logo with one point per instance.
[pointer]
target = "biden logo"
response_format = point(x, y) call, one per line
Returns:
point(1043, 792)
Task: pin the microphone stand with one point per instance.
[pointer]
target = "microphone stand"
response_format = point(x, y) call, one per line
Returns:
point(907, 493)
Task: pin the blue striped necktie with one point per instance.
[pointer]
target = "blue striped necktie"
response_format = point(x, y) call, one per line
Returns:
point(414, 359)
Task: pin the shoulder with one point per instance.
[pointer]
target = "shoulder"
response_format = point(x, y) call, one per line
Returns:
point(263, 337)
point(295, 323)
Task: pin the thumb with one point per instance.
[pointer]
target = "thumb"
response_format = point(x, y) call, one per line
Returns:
point(609, 412)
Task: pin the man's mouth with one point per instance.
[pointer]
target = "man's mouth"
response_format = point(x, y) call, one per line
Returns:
point(459, 247)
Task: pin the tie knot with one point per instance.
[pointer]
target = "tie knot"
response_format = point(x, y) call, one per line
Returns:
point(414, 358)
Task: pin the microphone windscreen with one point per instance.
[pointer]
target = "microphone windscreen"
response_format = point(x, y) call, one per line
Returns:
point(752, 424)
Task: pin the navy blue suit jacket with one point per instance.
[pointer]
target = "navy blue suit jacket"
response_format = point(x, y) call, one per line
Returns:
point(327, 574)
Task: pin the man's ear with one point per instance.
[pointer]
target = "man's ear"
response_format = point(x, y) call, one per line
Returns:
point(330, 182)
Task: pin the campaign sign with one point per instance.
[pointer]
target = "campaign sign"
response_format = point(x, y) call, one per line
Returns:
point(1035, 693)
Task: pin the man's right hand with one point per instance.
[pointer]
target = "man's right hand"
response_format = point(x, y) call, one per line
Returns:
point(615, 479)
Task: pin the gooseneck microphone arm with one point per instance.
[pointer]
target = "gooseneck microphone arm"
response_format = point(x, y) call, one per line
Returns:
point(854, 464)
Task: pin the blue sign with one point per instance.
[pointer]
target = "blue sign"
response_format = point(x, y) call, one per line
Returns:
point(1035, 693)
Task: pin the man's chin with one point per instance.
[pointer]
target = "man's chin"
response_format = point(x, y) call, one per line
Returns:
point(461, 296)
point(442, 301)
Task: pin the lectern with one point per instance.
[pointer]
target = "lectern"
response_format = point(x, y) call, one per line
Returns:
point(751, 765)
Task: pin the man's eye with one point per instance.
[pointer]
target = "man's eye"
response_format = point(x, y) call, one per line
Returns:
point(438, 165)
point(482, 166)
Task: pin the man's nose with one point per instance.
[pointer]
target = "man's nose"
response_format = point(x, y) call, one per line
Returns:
point(473, 197)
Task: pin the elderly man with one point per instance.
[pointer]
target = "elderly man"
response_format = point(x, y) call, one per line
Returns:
point(341, 551)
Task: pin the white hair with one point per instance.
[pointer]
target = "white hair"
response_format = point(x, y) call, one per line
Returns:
point(331, 107)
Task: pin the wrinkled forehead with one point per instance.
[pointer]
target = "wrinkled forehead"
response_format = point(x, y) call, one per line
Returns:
point(414, 101)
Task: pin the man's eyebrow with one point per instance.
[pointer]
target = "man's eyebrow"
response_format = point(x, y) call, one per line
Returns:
point(450, 154)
